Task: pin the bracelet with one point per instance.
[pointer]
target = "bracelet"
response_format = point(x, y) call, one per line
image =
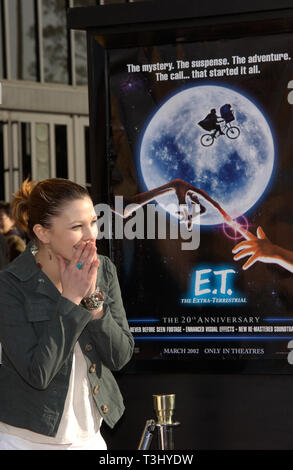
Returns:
point(94, 301)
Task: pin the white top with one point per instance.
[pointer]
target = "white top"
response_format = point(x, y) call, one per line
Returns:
point(80, 421)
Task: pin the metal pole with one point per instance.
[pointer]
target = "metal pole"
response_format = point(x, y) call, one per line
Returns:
point(147, 435)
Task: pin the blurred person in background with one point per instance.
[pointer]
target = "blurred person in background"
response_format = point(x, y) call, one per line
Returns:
point(15, 237)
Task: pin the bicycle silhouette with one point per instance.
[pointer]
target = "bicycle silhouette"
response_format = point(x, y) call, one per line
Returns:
point(232, 132)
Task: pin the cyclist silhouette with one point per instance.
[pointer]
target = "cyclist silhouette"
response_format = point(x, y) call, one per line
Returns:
point(210, 123)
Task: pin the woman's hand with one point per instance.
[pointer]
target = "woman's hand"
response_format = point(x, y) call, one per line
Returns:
point(78, 283)
point(93, 285)
point(259, 248)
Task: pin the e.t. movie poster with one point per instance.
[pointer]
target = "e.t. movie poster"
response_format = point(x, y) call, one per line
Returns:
point(202, 193)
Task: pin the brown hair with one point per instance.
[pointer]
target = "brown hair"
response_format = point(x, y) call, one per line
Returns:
point(37, 202)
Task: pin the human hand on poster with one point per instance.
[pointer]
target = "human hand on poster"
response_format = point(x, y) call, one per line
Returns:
point(260, 248)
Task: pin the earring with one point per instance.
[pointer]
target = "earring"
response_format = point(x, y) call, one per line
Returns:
point(34, 248)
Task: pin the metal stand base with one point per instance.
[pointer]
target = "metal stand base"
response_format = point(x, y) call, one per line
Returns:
point(165, 435)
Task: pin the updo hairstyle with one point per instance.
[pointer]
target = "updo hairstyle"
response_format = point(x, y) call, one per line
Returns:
point(37, 202)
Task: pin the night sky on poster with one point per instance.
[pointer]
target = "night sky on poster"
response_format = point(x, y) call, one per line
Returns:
point(187, 300)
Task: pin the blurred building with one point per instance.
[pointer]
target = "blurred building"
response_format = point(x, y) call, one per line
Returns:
point(44, 123)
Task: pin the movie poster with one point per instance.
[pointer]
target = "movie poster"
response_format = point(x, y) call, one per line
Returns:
point(201, 192)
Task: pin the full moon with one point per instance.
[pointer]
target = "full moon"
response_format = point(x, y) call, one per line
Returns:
point(234, 172)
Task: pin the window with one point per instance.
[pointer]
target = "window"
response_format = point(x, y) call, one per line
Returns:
point(55, 41)
point(80, 47)
point(2, 72)
point(61, 150)
point(26, 150)
point(22, 35)
point(42, 151)
point(39, 46)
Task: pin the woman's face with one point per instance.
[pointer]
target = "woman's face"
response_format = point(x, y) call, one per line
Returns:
point(76, 223)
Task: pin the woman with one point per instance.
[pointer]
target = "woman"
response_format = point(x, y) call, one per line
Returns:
point(62, 326)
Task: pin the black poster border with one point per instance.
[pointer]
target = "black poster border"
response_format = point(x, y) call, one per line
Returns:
point(101, 37)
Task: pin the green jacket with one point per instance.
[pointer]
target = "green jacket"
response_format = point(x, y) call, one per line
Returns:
point(38, 331)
